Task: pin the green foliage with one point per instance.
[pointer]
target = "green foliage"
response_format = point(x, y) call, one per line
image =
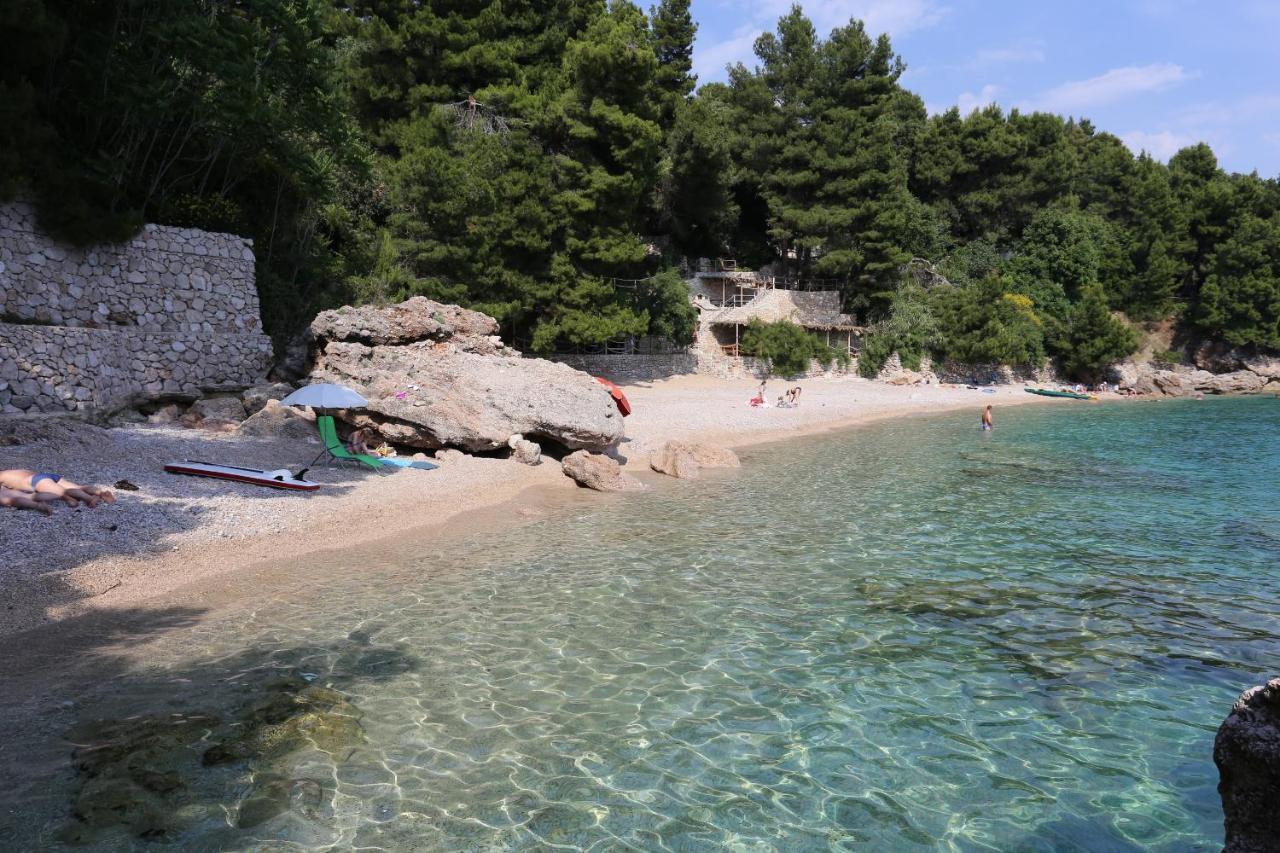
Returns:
point(910, 329)
point(518, 157)
point(986, 323)
point(788, 348)
point(1167, 358)
point(1095, 338)
point(1240, 301)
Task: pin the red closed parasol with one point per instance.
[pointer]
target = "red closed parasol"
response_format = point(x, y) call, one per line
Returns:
point(624, 405)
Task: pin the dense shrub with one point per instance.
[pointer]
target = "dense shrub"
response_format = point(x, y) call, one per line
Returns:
point(788, 348)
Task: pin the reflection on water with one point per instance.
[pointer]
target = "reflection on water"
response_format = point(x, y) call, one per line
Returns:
point(914, 635)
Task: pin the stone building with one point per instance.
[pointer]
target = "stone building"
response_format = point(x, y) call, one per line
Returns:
point(172, 313)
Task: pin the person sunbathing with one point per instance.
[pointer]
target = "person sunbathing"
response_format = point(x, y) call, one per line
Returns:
point(47, 487)
point(22, 500)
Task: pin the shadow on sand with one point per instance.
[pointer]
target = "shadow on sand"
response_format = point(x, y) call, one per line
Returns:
point(146, 521)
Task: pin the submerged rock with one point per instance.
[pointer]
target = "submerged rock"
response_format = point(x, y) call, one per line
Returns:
point(132, 775)
point(1247, 752)
point(436, 376)
point(293, 716)
point(149, 777)
point(599, 472)
point(685, 460)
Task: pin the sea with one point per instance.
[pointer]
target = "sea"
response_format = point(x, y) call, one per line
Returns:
point(909, 636)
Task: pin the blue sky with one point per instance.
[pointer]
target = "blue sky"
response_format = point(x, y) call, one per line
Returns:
point(1160, 74)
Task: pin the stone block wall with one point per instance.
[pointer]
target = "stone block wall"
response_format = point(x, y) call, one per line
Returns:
point(172, 313)
point(634, 367)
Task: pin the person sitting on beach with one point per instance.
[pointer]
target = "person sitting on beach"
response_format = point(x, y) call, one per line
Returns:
point(52, 487)
point(358, 442)
point(22, 500)
point(795, 395)
point(757, 401)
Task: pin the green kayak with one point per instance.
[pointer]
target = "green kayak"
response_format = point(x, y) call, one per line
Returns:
point(1044, 392)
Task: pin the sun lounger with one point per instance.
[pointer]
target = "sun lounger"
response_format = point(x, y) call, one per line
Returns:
point(337, 450)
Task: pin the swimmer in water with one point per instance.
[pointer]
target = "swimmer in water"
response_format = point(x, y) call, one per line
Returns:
point(987, 421)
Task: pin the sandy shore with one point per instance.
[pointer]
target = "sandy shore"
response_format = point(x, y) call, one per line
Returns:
point(174, 532)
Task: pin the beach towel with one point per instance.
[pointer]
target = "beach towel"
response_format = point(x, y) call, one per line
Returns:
point(410, 463)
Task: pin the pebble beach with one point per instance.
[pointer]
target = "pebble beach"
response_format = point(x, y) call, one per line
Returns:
point(174, 531)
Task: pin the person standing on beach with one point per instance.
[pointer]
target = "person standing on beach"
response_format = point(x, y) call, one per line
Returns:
point(987, 421)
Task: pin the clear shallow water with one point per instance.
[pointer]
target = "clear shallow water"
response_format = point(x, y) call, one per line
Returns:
point(908, 636)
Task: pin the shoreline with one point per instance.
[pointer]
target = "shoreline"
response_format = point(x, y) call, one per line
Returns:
point(466, 495)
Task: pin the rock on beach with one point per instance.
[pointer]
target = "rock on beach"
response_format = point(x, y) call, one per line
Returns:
point(599, 472)
point(437, 376)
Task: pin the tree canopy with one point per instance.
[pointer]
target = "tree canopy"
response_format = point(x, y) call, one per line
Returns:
point(551, 161)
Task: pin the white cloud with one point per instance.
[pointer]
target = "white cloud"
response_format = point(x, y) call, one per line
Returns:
point(895, 17)
point(709, 62)
point(1161, 146)
point(968, 102)
point(1115, 85)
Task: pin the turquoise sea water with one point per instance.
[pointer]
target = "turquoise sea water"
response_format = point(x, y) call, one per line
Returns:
point(910, 636)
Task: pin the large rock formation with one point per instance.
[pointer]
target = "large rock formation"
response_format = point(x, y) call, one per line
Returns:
point(1252, 374)
point(436, 375)
point(1247, 752)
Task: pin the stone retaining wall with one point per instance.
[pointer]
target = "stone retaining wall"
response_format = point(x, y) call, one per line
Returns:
point(171, 313)
point(633, 367)
point(51, 369)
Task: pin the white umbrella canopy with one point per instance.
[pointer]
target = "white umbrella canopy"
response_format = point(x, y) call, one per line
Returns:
point(325, 395)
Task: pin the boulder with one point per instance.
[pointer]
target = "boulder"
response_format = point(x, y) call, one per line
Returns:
point(599, 472)
point(276, 421)
point(166, 414)
point(1171, 383)
point(906, 377)
point(219, 408)
point(1239, 382)
point(525, 451)
point(435, 376)
point(256, 397)
point(1217, 358)
point(1272, 387)
point(1266, 366)
point(1247, 752)
point(685, 460)
point(418, 319)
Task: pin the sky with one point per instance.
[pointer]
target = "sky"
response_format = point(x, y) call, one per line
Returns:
point(1159, 74)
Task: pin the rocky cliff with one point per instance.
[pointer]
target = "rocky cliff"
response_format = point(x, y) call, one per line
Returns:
point(437, 376)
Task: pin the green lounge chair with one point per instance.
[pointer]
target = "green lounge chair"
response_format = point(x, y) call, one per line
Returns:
point(337, 450)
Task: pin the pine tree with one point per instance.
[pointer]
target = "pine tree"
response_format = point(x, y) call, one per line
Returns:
point(673, 34)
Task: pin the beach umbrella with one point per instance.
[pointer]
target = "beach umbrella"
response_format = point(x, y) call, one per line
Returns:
point(619, 399)
point(325, 395)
